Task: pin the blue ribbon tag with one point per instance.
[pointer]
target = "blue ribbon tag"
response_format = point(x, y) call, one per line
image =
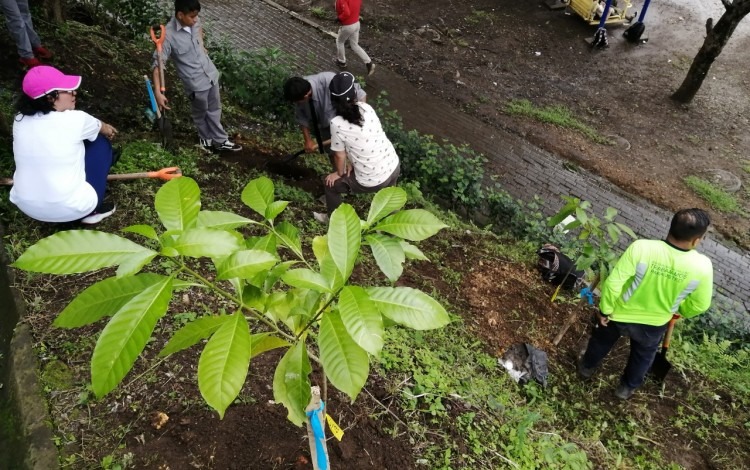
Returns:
point(317, 428)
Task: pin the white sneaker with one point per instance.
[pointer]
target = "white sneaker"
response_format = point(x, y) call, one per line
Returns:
point(321, 217)
point(100, 213)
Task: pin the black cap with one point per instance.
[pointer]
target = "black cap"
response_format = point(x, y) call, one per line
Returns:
point(342, 87)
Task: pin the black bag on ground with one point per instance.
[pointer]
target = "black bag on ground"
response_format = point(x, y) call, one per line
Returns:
point(634, 32)
point(553, 265)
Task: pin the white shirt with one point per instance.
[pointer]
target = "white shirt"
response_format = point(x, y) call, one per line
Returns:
point(49, 183)
point(370, 152)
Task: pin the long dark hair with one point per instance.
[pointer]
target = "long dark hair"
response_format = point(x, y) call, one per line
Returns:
point(348, 110)
point(29, 107)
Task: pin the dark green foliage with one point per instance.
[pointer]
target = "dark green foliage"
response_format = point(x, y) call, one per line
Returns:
point(255, 80)
point(724, 320)
point(453, 174)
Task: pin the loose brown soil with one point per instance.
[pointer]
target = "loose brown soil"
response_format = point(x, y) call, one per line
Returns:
point(480, 54)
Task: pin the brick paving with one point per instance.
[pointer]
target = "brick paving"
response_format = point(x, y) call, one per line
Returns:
point(523, 170)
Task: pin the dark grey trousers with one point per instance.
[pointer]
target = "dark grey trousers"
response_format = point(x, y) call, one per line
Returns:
point(206, 111)
point(348, 185)
point(20, 26)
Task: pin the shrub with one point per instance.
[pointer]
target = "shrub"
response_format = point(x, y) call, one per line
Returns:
point(255, 80)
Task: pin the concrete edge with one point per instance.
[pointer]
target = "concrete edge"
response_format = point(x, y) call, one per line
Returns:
point(21, 370)
point(31, 407)
point(299, 17)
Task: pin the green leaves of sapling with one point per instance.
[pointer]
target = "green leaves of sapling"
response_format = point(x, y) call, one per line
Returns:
point(78, 251)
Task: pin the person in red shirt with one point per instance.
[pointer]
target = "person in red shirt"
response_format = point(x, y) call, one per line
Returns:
point(348, 15)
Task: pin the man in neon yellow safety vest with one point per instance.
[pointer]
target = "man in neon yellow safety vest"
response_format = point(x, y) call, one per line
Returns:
point(651, 282)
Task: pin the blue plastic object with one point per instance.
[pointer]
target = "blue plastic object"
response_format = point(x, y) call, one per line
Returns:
point(317, 428)
point(587, 294)
point(151, 96)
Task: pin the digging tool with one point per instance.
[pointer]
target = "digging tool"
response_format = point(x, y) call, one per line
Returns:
point(165, 174)
point(293, 156)
point(152, 113)
point(165, 127)
point(660, 367)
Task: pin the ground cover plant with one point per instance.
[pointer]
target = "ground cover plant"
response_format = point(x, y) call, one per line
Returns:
point(433, 399)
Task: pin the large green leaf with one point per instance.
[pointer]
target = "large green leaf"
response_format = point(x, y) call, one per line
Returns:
point(178, 202)
point(104, 299)
point(328, 268)
point(125, 336)
point(275, 208)
point(409, 307)
point(78, 251)
point(193, 332)
point(224, 362)
point(344, 238)
point(388, 255)
point(627, 230)
point(221, 220)
point(412, 252)
point(345, 363)
point(134, 263)
point(265, 243)
point(568, 209)
point(362, 320)
point(413, 224)
point(262, 342)
point(386, 201)
point(291, 382)
point(246, 264)
point(307, 279)
point(289, 236)
point(208, 242)
point(258, 195)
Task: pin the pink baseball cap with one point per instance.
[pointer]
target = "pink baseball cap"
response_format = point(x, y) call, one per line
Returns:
point(43, 79)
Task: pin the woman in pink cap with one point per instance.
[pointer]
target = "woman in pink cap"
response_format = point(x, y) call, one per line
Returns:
point(62, 155)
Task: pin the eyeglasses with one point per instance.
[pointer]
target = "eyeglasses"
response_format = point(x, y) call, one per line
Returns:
point(72, 92)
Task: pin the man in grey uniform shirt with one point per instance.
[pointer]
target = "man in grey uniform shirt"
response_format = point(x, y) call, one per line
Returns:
point(184, 44)
point(312, 92)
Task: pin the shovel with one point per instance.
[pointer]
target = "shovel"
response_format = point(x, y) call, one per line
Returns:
point(165, 127)
point(165, 174)
point(293, 156)
point(660, 367)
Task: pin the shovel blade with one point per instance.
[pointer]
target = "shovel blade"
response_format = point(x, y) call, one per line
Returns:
point(661, 366)
point(165, 128)
point(291, 157)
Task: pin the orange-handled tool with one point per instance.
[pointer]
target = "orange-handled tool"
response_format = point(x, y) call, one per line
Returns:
point(159, 40)
point(165, 174)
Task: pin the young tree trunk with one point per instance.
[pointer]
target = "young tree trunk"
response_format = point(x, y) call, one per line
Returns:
point(716, 38)
point(54, 10)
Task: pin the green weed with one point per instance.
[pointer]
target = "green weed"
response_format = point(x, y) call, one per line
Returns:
point(716, 197)
point(321, 13)
point(557, 115)
point(479, 16)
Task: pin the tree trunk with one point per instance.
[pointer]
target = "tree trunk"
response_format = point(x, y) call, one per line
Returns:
point(54, 10)
point(716, 38)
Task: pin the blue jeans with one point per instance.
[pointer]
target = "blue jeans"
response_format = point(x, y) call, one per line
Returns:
point(98, 162)
point(644, 343)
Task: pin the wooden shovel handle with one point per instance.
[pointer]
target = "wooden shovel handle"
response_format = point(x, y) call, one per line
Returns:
point(572, 317)
point(668, 334)
point(165, 174)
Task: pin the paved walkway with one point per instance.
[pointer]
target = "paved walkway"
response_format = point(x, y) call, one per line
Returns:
point(524, 170)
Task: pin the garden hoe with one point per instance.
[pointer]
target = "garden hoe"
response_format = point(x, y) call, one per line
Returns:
point(660, 367)
point(165, 127)
point(165, 174)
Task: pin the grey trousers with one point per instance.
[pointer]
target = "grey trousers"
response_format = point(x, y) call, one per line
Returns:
point(348, 185)
point(21, 29)
point(206, 111)
point(350, 33)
